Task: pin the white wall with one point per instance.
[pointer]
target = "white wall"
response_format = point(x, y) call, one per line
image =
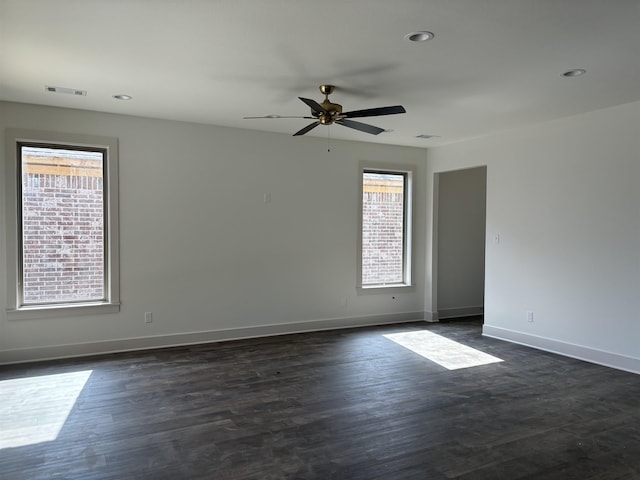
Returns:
point(565, 198)
point(461, 238)
point(201, 250)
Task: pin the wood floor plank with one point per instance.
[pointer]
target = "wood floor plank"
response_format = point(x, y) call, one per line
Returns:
point(347, 404)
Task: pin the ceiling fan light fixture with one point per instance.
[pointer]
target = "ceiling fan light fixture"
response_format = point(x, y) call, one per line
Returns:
point(576, 72)
point(421, 36)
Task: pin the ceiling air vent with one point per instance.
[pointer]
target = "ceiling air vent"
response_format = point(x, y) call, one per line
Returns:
point(68, 91)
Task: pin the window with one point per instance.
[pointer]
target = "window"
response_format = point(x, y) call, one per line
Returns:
point(385, 233)
point(62, 223)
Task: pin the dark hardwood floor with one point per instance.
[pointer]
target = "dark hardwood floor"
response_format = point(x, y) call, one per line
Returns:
point(346, 404)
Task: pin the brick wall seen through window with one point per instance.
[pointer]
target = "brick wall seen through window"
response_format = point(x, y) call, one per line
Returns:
point(62, 206)
point(383, 228)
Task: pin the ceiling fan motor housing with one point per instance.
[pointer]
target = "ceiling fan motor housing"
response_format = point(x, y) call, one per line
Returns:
point(332, 110)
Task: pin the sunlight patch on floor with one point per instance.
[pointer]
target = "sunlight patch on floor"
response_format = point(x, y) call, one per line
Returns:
point(445, 352)
point(34, 409)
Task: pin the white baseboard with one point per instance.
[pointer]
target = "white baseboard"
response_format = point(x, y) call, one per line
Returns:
point(460, 312)
point(144, 343)
point(600, 357)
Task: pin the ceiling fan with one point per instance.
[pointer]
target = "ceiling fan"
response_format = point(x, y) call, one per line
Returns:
point(328, 113)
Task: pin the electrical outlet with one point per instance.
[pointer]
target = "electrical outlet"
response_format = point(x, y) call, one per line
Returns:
point(529, 316)
point(148, 317)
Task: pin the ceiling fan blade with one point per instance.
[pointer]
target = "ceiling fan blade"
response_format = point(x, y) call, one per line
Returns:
point(306, 129)
point(276, 116)
point(363, 127)
point(315, 106)
point(374, 112)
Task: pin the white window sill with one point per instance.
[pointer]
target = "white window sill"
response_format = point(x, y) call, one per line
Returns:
point(61, 310)
point(385, 288)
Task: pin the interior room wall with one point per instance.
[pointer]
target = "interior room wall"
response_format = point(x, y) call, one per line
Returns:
point(461, 239)
point(202, 250)
point(563, 197)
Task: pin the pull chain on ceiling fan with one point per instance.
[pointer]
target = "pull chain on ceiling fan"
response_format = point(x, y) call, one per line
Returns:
point(328, 113)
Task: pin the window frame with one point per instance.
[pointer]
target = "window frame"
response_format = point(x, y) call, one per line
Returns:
point(409, 200)
point(14, 139)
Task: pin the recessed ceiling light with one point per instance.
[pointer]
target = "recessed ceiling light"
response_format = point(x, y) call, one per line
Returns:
point(122, 96)
point(422, 36)
point(574, 73)
point(427, 136)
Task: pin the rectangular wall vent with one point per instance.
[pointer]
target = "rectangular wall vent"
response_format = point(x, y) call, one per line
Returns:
point(68, 91)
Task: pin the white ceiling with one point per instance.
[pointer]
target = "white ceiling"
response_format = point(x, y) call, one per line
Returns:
point(493, 64)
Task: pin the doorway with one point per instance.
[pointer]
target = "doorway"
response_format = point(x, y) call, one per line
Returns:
point(461, 234)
